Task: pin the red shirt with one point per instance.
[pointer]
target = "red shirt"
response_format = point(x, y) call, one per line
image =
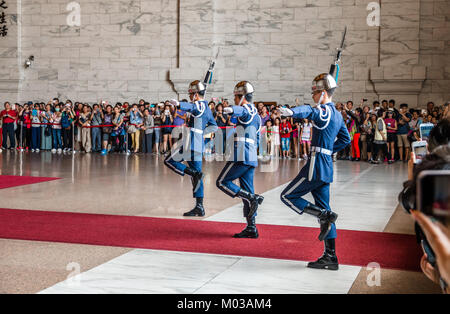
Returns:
point(284, 129)
point(12, 113)
point(390, 123)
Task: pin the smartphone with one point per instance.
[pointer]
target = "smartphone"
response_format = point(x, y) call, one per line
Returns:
point(433, 194)
point(425, 129)
point(419, 150)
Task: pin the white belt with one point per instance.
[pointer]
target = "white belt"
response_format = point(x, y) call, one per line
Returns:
point(244, 139)
point(321, 150)
point(197, 131)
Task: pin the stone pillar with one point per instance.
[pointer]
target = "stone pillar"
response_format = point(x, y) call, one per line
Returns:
point(11, 66)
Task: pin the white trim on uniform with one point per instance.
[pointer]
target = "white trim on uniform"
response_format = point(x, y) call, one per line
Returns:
point(220, 179)
point(296, 209)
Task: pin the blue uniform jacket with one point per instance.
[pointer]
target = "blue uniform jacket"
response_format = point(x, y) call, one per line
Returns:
point(329, 133)
point(247, 134)
point(201, 119)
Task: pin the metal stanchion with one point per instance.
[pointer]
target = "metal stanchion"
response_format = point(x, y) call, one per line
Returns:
point(21, 139)
point(20, 164)
point(73, 138)
point(73, 166)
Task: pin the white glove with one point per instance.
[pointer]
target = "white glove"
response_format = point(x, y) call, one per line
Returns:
point(286, 112)
point(174, 103)
point(228, 110)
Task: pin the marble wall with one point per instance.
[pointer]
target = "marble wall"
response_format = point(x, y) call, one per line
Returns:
point(127, 50)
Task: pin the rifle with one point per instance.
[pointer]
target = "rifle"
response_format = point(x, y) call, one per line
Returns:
point(209, 74)
point(335, 66)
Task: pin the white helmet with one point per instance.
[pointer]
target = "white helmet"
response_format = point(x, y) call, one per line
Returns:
point(323, 82)
point(243, 88)
point(196, 87)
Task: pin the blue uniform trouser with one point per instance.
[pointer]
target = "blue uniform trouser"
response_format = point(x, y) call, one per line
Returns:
point(292, 197)
point(233, 171)
point(175, 162)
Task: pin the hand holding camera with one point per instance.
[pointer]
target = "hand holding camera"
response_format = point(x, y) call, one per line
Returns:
point(438, 237)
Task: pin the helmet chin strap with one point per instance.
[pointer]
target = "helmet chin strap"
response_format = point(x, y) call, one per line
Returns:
point(320, 99)
point(242, 100)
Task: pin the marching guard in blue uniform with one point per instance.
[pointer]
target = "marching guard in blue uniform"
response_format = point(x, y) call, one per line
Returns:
point(244, 158)
point(330, 136)
point(200, 119)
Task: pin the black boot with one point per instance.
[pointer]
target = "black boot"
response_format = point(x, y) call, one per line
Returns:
point(198, 210)
point(196, 177)
point(329, 259)
point(254, 200)
point(250, 231)
point(326, 218)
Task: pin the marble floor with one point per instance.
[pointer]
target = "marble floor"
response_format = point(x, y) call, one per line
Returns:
point(364, 196)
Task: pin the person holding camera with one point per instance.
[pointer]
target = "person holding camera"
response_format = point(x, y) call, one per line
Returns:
point(67, 118)
point(167, 121)
point(148, 128)
point(107, 117)
point(391, 126)
point(55, 120)
point(432, 226)
point(96, 121)
point(380, 139)
point(25, 119)
point(134, 127)
point(222, 122)
point(46, 133)
point(85, 122)
point(35, 129)
point(404, 117)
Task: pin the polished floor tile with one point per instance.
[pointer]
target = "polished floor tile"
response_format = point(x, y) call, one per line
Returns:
point(148, 271)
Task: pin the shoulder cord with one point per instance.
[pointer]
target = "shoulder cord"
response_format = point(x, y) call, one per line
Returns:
point(200, 107)
point(324, 116)
point(252, 111)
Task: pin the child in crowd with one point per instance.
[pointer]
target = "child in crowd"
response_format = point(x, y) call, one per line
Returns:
point(276, 137)
point(285, 133)
point(306, 136)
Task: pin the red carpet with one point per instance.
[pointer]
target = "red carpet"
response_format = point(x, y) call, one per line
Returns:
point(12, 181)
point(359, 248)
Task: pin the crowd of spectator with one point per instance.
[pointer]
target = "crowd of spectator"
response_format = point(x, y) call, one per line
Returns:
point(384, 133)
point(381, 133)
